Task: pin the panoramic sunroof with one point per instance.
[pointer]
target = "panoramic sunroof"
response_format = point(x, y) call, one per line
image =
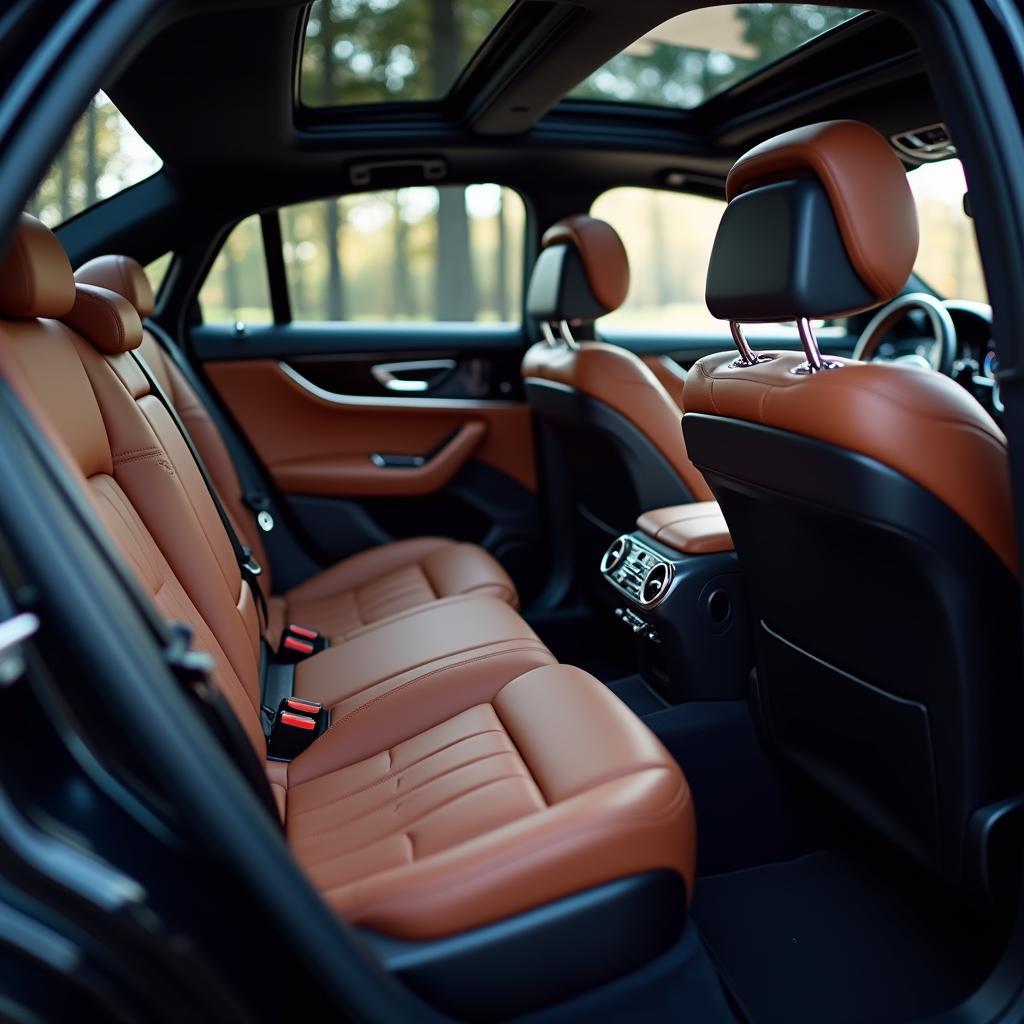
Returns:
point(693, 56)
point(380, 51)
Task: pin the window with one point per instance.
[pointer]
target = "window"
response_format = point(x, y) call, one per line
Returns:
point(156, 270)
point(422, 253)
point(948, 259)
point(695, 55)
point(103, 155)
point(376, 51)
point(236, 289)
point(668, 237)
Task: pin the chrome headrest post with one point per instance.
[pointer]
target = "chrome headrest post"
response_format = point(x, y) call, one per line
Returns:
point(564, 330)
point(812, 350)
point(810, 343)
point(747, 355)
point(549, 335)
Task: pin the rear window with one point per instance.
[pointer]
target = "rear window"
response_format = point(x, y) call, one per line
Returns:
point(103, 155)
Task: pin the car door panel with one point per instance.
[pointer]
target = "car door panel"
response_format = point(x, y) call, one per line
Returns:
point(315, 441)
point(359, 464)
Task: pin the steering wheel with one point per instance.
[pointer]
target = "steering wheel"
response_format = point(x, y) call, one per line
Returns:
point(943, 351)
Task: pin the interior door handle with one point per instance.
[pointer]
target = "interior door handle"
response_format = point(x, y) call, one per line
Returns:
point(386, 374)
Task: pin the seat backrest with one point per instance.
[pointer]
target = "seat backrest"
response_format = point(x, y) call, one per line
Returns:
point(870, 508)
point(118, 443)
point(127, 277)
point(617, 426)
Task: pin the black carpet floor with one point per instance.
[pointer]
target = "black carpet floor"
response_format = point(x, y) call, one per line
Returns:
point(830, 937)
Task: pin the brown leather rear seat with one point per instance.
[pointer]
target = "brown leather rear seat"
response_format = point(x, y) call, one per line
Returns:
point(455, 797)
point(358, 591)
point(152, 464)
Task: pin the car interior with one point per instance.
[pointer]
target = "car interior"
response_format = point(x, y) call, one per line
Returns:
point(509, 510)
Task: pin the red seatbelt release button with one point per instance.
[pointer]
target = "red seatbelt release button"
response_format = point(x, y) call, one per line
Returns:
point(303, 707)
point(297, 721)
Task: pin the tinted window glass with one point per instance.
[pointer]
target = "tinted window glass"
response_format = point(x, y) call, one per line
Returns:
point(694, 55)
point(236, 288)
point(103, 155)
point(668, 237)
point(156, 270)
point(948, 259)
point(378, 51)
point(423, 253)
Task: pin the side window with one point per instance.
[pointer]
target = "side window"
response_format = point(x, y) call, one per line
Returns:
point(427, 254)
point(156, 270)
point(103, 155)
point(236, 288)
point(668, 237)
point(948, 258)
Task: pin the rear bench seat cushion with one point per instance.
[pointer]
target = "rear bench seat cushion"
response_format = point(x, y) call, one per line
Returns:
point(419, 821)
point(393, 578)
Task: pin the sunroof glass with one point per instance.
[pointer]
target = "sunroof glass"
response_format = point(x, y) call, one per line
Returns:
point(380, 51)
point(693, 56)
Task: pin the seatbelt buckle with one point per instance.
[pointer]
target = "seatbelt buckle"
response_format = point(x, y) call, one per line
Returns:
point(249, 563)
point(297, 723)
point(300, 642)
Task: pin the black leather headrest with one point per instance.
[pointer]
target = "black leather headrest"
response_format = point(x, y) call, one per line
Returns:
point(821, 222)
point(778, 255)
point(559, 288)
point(581, 273)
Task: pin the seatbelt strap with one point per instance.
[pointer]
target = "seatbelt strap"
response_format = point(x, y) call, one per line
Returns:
point(251, 569)
point(254, 493)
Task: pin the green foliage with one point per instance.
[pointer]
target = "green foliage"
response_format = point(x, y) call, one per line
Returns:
point(679, 76)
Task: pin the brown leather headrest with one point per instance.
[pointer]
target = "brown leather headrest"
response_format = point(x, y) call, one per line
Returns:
point(866, 186)
point(602, 253)
point(106, 320)
point(35, 274)
point(120, 274)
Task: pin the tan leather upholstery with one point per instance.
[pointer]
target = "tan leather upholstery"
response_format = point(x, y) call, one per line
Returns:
point(866, 185)
point(671, 375)
point(314, 434)
point(620, 379)
point(472, 787)
point(108, 320)
point(35, 275)
point(509, 797)
point(357, 591)
point(123, 275)
point(51, 368)
point(602, 253)
point(384, 581)
point(696, 529)
point(406, 651)
point(356, 476)
point(918, 422)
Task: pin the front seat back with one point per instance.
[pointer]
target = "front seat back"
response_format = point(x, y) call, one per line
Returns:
point(870, 507)
point(616, 427)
